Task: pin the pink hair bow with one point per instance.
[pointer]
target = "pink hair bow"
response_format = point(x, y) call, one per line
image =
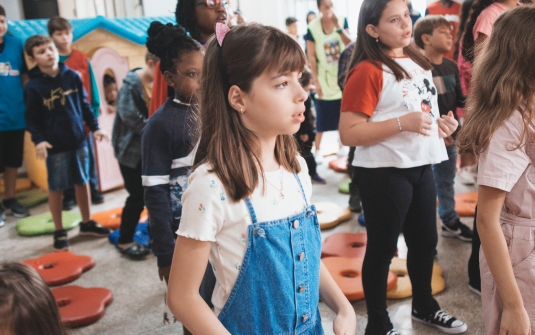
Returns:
point(221, 31)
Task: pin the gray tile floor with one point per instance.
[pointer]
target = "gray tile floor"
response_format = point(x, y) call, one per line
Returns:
point(138, 294)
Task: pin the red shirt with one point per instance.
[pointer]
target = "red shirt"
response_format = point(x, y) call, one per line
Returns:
point(79, 63)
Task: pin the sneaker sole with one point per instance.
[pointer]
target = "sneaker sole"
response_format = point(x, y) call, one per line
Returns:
point(62, 249)
point(17, 215)
point(457, 330)
point(453, 235)
point(90, 233)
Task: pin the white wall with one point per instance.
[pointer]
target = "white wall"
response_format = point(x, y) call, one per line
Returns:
point(164, 7)
point(13, 9)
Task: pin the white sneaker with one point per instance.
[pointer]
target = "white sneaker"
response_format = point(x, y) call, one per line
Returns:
point(318, 156)
point(466, 175)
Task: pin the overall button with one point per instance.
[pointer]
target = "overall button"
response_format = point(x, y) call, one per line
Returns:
point(296, 224)
point(302, 288)
point(301, 256)
point(305, 318)
point(259, 231)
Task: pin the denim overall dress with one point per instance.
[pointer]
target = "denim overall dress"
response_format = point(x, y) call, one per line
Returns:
point(277, 289)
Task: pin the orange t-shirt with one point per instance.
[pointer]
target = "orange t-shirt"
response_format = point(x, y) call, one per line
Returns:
point(159, 91)
point(451, 14)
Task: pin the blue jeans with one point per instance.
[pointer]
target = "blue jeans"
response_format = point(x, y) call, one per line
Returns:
point(68, 168)
point(444, 178)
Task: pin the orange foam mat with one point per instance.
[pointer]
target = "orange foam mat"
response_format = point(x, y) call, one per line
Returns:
point(112, 219)
point(347, 273)
point(345, 245)
point(339, 164)
point(59, 268)
point(80, 306)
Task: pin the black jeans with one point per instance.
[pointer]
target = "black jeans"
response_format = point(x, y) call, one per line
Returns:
point(305, 149)
point(134, 203)
point(397, 200)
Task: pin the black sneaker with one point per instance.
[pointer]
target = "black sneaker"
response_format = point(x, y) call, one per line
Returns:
point(133, 250)
point(393, 332)
point(354, 204)
point(442, 321)
point(96, 197)
point(68, 203)
point(12, 206)
point(60, 240)
point(2, 217)
point(475, 289)
point(93, 228)
point(457, 229)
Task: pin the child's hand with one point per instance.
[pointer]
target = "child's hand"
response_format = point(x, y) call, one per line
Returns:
point(303, 137)
point(447, 125)
point(416, 122)
point(515, 322)
point(345, 323)
point(41, 149)
point(101, 135)
point(449, 141)
point(164, 274)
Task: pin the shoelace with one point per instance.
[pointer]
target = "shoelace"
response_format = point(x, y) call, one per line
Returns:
point(442, 316)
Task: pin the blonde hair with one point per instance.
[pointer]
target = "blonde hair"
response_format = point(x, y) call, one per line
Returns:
point(226, 144)
point(503, 81)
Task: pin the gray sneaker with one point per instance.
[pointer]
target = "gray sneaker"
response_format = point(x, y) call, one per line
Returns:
point(12, 206)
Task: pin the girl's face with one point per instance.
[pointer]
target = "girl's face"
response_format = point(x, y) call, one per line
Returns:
point(275, 105)
point(110, 93)
point(186, 76)
point(326, 8)
point(310, 17)
point(207, 17)
point(394, 28)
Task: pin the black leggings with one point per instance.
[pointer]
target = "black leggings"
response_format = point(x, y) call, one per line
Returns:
point(394, 201)
point(134, 203)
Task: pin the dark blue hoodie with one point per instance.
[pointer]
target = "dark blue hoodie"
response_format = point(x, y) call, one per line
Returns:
point(56, 109)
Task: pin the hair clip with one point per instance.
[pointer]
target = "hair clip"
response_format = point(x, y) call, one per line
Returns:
point(221, 31)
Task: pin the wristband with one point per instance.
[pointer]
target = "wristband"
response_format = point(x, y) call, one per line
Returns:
point(399, 125)
point(339, 31)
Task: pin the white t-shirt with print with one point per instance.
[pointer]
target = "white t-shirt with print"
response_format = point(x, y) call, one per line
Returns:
point(209, 215)
point(379, 95)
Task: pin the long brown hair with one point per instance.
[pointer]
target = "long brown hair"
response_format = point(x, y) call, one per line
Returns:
point(26, 303)
point(503, 81)
point(226, 144)
point(468, 40)
point(367, 48)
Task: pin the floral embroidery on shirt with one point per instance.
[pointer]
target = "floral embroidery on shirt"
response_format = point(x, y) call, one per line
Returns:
point(222, 195)
point(274, 201)
point(237, 266)
point(202, 209)
point(212, 184)
point(242, 238)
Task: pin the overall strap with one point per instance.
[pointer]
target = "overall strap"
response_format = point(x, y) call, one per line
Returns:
point(301, 186)
point(251, 210)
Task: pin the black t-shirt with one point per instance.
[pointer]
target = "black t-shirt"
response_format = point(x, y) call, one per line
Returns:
point(448, 84)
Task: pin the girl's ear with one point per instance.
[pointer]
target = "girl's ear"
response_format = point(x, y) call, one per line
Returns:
point(236, 98)
point(168, 77)
point(372, 31)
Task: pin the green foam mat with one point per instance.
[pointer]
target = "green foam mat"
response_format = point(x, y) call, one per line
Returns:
point(344, 187)
point(43, 224)
point(32, 198)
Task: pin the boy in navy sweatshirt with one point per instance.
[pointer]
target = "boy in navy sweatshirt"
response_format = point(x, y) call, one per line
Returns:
point(56, 110)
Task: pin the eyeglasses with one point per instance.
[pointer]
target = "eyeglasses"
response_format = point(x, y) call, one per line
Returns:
point(212, 3)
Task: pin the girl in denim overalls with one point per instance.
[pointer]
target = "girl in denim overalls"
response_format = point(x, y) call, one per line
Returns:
point(247, 207)
point(499, 128)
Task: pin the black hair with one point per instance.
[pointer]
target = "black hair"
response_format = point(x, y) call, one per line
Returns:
point(108, 80)
point(290, 20)
point(463, 19)
point(169, 43)
point(319, 2)
point(185, 16)
point(2, 11)
point(306, 78)
point(468, 39)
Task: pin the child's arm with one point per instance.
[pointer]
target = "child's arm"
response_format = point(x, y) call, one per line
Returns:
point(131, 108)
point(345, 321)
point(183, 298)
point(514, 319)
point(35, 122)
point(355, 130)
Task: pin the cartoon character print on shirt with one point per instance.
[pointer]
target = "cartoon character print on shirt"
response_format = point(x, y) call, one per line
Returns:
point(7, 70)
point(332, 51)
point(177, 187)
point(418, 92)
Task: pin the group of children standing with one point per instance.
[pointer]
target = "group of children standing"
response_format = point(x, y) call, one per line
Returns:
point(220, 167)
